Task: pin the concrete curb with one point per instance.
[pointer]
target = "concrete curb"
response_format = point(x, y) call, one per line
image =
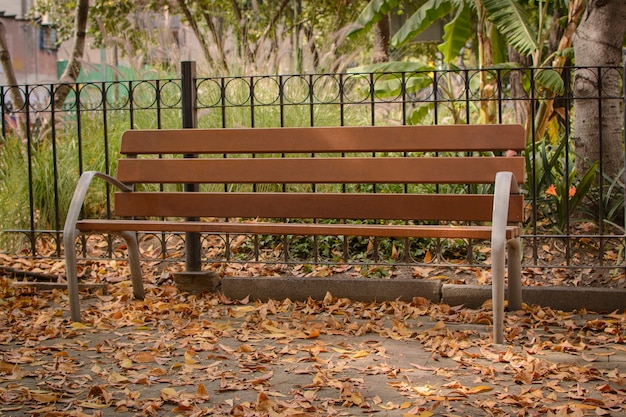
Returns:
point(558, 298)
point(375, 289)
point(357, 289)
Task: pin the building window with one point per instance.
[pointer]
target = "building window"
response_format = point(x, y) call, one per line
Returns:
point(47, 38)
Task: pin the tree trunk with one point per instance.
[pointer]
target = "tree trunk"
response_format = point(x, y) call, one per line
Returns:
point(242, 35)
point(485, 60)
point(548, 107)
point(521, 103)
point(217, 36)
point(70, 75)
point(598, 119)
point(381, 40)
point(14, 91)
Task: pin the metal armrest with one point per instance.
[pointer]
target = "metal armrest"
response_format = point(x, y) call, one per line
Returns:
point(505, 185)
point(80, 193)
point(69, 240)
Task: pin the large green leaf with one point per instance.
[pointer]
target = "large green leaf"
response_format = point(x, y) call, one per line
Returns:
point(499, 47)
point(550, 80)
point(373, 12)
point(417, 116)
point(429, 13)
point(512, 21)
point(456, 33)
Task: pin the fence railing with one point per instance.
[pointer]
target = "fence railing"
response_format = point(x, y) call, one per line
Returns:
point(570, 223)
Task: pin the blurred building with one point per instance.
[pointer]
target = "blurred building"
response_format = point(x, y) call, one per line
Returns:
point(32, 45)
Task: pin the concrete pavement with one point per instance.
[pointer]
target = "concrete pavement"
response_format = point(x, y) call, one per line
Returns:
point(176, 354)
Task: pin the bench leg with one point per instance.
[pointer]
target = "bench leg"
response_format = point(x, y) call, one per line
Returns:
point(497, 288)
point(515, 274)
point(69, 242)
point(135, 266)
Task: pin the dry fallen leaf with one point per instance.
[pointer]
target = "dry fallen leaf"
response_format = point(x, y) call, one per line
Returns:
point(172, 354)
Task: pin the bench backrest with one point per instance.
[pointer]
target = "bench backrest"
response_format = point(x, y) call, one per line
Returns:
point(315, 157)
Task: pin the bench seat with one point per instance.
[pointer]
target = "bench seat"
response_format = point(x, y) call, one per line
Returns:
point(319, 229)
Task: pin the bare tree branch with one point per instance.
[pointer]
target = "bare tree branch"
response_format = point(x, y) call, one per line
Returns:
point(71, 72)
point(14, 91)
point(196, 30)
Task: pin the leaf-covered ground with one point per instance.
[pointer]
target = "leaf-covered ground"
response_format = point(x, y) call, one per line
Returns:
point(178, 354)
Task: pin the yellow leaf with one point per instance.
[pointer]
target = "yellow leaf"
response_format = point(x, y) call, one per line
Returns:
point(88, 404)
point(242, 311)
point(44, 397)
point(189, 360)
point(116, 378)
point(388, 406)
point(478, 389)
point(169, 394)
point(77, 325)
point(423, 390)
point(340, 350)
point(126, 363)
point(360, 354)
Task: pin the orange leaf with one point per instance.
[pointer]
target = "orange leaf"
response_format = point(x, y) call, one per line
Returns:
point(312, 334)
point(144, 357)
point(201, 392)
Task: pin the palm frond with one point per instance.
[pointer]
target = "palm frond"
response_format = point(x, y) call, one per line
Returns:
point(512, 21)
point(373, 12)
point(425, 16)
point(456, 34)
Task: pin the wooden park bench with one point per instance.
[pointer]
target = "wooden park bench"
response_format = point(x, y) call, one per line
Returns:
point(437, 155)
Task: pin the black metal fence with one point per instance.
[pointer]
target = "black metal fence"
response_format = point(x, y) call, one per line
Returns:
point(570, 223)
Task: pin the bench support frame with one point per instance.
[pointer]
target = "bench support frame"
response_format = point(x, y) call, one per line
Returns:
point(70, 233)
point(505, 184)
point(501, 249)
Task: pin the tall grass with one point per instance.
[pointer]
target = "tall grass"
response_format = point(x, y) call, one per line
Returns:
point(89, 140)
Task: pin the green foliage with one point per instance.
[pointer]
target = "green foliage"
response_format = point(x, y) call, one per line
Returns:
point(559, 190)
point(456, 34)
point(512, 20)
point(372, 14)
point(419, 21)
point(524, 25)
point(263, 33)
point(550, 80)
point(607, 202)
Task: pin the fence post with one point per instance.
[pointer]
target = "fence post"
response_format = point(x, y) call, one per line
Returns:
point(190, 120)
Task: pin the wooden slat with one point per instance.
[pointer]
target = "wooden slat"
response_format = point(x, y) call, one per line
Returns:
point(469, 232)
point(441, 170)
point(463, 207)
point(326, 139)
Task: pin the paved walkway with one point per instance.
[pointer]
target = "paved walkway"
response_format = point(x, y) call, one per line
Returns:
point(193, 356)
